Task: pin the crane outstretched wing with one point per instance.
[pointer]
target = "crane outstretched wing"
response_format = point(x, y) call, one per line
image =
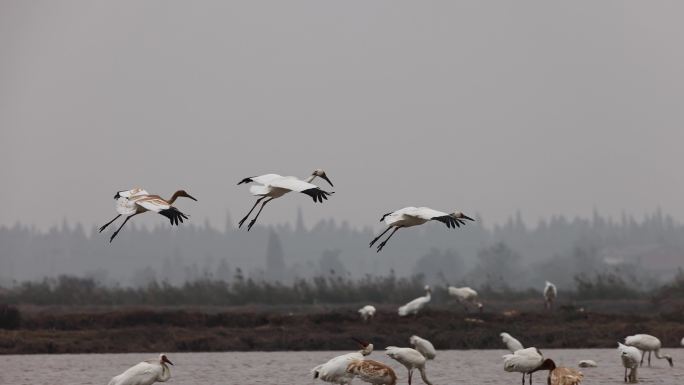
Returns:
point(261, 179)
point(294, 184)
point(160, 206)
point(434, 215)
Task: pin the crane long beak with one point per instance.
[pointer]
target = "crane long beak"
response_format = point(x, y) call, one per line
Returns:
point(193, 198)
point(327, 180)
point(167, 360)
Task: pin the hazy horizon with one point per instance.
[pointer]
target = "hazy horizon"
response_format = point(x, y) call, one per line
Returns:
point(153, 222)
point(489, 108)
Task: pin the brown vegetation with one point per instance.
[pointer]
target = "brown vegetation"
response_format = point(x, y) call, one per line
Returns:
point(100, 330)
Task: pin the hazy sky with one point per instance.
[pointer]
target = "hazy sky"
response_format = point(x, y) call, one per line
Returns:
point(488, 107)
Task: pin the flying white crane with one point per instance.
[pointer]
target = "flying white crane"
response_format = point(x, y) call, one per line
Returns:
point(465, 295)
point(560, 375)
point(335, 370)
point(549, 294)
point(524, 361)
point(411, 359)
point(417, 304)
point(424, 346)
point(511, 343)
point(137, 201)
point(414, 216)
point(373, 372)
point(630, 357)
point(145, 373)
point(274, 186)
point(647, 343)
point(367, 312)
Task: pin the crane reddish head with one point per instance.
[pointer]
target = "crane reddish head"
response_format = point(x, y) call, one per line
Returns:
point(163, 358)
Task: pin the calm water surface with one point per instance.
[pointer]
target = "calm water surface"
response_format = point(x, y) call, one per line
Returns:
point(450, 367)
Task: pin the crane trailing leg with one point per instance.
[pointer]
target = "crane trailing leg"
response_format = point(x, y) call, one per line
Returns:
point(250, 211)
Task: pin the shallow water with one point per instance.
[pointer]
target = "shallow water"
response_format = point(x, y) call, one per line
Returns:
point(450, 367)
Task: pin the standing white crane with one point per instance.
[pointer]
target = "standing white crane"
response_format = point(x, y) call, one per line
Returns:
point(413, 307)
point(524, 361)
point(145, 373)
point(367, 312)
point(414, 216)
point(511, 343)
point(630, 357)
point(373, 372)
point(465, 295)
point(335, 370)
point(647, 343)
point(137, 201)
point(550, 293)
point(424, 346)
point(274, 186)
point(682, 342)
point(560, 375)
point(411, 359)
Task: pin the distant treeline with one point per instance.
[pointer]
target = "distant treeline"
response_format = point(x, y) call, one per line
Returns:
point(331, 289)
point(644, 253)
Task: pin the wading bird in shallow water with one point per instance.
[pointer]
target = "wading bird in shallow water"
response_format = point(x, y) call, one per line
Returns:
point(367, 312)
point(465, 295)
point(630, 357)
point(587, 364)
point(137, 201)
point(549, 294)
point(524, 361)
point(417, 304)
point(647, 343)
point(335, 370)
point(411, 359)
point(414, 216)
point(272, 186)
point(424, 346)
point(560, 375)
point(511, 343)
point(145, 373)
point(373, 372)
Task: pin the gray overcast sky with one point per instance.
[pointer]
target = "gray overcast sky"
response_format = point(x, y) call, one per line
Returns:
point(489, 107)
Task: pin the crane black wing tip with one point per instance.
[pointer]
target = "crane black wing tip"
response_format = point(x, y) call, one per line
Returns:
point(246, 180)
point(174, 215)
point(317, 194)
point(449, 221)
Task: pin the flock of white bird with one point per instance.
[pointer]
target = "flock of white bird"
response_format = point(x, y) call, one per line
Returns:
point(344, 368)
point(530, 360)
point(269, 187)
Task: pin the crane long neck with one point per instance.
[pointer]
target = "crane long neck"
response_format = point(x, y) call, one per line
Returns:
point(166, 373)
point(310, 178)
point(174, 197)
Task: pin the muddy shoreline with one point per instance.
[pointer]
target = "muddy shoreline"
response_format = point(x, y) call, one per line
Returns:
point(118, 330)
